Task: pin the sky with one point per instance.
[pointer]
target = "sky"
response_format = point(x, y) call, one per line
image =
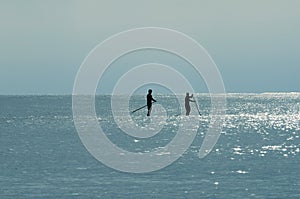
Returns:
point(255, 44)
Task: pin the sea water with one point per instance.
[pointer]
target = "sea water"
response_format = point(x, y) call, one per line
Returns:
point(256, 156)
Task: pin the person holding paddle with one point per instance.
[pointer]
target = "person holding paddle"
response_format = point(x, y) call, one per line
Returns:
point(187, 103)
point(149, 101)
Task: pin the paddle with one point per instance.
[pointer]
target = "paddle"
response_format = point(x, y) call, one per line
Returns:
point(197, 106)
point(139, 108)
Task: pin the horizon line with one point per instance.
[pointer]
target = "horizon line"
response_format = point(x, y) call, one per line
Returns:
point(71, 94)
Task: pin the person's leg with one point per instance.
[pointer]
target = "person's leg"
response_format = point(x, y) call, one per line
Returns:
point(149, 110)
point(188, 110)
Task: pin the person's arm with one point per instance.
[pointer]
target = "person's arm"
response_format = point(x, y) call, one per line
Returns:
point(190, 98)
point(153, 99)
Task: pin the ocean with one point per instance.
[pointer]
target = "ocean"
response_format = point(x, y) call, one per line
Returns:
point(256, 156)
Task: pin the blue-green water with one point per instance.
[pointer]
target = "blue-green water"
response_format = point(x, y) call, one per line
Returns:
point(257, 155)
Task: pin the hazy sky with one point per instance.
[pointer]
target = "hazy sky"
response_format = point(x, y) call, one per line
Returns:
point(255, 43)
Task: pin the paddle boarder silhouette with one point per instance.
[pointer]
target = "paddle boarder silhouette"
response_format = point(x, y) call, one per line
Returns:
point(149, 101)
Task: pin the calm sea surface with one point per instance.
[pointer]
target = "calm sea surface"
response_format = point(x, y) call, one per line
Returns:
point(256, 156)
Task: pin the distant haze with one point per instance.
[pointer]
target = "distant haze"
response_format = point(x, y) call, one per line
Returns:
point(255, 44)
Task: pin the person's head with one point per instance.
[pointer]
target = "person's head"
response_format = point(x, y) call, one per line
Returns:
point(149, 91)
point(187, 94)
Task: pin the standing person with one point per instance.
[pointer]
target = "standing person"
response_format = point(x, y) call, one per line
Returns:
point(149, 101)
point(187, 103)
